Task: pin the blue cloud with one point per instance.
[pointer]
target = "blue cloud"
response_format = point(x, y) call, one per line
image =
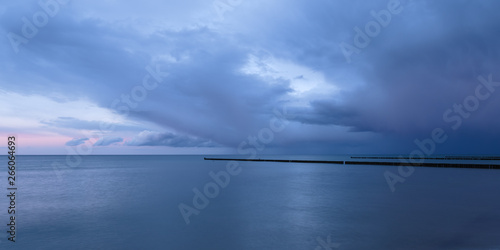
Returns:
point(106, 141)
point(76, 142)
point(153, 138)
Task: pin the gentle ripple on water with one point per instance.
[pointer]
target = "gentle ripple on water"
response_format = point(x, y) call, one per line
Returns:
point(131, 202)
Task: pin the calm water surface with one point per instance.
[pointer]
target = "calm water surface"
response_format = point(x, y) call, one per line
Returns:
point(132, 202)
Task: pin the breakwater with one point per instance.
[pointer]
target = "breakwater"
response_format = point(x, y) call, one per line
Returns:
point(380, 163)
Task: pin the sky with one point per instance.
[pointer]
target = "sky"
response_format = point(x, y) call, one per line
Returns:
point(250, 77)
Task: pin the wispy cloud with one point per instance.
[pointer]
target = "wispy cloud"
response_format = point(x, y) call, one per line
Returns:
point(106, 141)
point(76, 141)
point(153, 138)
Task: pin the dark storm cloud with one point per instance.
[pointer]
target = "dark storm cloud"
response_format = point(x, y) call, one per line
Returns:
point(426, 60)
point(206, 96)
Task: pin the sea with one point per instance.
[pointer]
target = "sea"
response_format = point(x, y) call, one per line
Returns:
point(187, 202)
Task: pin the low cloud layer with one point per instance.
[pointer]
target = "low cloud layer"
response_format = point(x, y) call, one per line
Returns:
point(106, 141)
point(151, 138)
point(76, 142)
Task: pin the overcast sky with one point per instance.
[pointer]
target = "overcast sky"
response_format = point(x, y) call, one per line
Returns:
point(296, 76)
